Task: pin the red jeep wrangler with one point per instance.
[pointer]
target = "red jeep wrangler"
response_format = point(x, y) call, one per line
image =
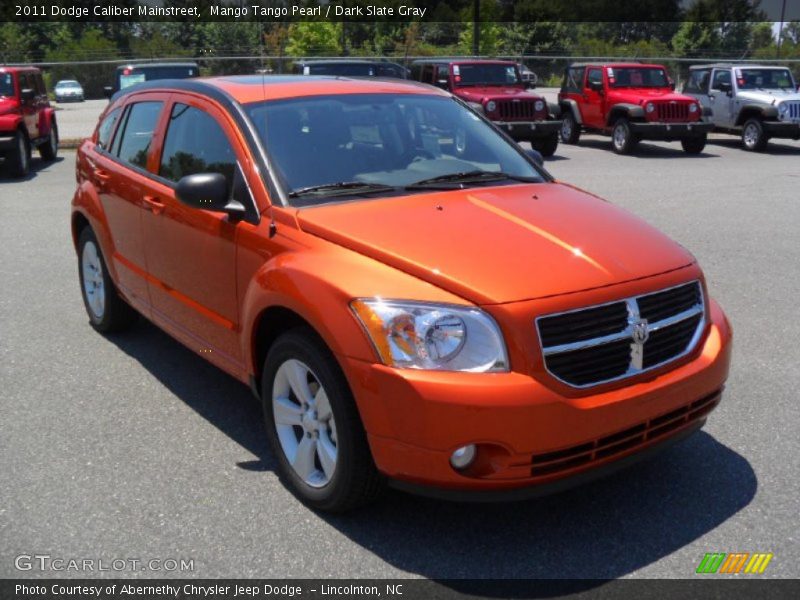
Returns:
point(631, 102)
point(496, 88)
point(26, 119)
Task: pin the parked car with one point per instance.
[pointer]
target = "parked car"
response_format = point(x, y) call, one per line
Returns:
point(528, 77)
point(754, 101)
point(128, 75)
point(496, 88)
point(630, 102)
point(27, 120)
point(68, 90)
point(411, 297)
point(351, 68)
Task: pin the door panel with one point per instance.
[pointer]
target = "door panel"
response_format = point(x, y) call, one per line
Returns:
point(720, 102)
point(191, 253)
point(119, 177)
point(592, 101)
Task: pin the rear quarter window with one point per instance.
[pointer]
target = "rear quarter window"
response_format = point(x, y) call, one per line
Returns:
point(106, 128)
point(698, 81)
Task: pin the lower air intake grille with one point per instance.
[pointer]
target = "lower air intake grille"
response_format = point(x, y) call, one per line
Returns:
point(603, 343)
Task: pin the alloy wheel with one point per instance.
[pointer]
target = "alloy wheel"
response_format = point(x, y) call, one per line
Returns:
point(93, 283)
point(751, 135)
point(305, 423)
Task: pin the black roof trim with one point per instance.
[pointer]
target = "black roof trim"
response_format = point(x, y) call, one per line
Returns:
point(728, 65)
point(141, 65)
point(232, 107)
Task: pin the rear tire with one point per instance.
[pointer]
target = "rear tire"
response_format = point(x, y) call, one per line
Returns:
point(18, 160)
point(49, 150)
point(570, 130)
point(107, 311)
point(694, 145)
point(546, 146)
point(754, 138)
point(622, 138)
point(318, 438)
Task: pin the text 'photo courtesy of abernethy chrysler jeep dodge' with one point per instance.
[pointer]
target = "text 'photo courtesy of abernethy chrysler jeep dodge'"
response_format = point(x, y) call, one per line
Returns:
point(415, 301)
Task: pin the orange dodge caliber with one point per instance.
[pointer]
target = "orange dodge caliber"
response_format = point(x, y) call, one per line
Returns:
point(414, 300)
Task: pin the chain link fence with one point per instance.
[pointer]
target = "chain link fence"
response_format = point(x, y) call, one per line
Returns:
point(95, 74)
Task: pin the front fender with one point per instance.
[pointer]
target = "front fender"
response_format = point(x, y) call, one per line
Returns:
point(632, 111)
point(569, 105)
point(46, 119)
point(766, 112)
point(10, 122)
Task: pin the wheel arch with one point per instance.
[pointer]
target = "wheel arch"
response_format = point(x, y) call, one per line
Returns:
point(569, 105)
point(750, 111)
point(634, 112)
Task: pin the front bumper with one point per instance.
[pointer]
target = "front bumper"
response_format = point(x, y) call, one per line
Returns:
point(8, 140)
point(671, 131)
point(780, 129)
point(528, 130)
point(529, 435)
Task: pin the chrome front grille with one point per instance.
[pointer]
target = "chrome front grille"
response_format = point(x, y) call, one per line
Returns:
point(598, 344)
point(517, 110)
point(672, 111)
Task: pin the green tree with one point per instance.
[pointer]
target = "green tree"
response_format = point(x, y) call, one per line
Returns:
point(15, 43)
point(91, 46)
point(314, 38)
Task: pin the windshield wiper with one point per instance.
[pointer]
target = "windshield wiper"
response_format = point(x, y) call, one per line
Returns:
point(341, 188)
point(458, 180)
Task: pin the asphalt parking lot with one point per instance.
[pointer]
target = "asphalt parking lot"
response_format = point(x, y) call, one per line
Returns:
point(131, 446)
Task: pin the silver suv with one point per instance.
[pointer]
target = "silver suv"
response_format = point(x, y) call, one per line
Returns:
point(754, 101)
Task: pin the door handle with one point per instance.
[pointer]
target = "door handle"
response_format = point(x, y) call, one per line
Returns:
point(153, 205)
point(101, 177)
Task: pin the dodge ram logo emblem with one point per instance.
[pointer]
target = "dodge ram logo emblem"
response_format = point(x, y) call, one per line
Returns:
point(641, 333)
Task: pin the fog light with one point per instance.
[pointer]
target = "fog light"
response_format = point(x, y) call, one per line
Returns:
point(463, 457)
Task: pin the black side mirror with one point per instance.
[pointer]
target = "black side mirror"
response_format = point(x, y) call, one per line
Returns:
point(535, 156)
point(108, 91)
point(27, 94)
point(596, 86)
point(208, 191)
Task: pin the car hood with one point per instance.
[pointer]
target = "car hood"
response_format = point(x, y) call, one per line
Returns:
point(642, 95)
point(501, 244)
point(477, 94)
point(767, 96)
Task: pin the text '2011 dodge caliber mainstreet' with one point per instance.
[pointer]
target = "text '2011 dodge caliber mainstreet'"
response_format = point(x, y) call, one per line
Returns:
point(413, 299)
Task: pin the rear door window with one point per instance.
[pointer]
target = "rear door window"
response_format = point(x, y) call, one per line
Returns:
point(195, 143)
point(595, 76)
point(137, 132)
point(720, 77)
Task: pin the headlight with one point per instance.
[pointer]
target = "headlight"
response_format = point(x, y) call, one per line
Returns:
point(693, 107)
point(414, 335)
point(650, 107)
point(783, 108)
point(491, 105)
point(539, 105)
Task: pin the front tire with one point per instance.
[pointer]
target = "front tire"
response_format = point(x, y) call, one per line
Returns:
point(546, 146)
point(570, 130)
point(313, 426)
point(107, 311)
point(694, 145)
point(754, 138)
point(49, 150)
point(18, 160)
point(622, 138)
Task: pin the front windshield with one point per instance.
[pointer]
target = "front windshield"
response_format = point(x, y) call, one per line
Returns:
point(639, 77)
point(6, 84)
point(485, 74)
point(341, 69)
point(379, 140)
point(765, 79)
point(67, 84)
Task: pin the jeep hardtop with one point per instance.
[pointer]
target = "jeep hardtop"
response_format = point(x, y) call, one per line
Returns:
point(757, 102)
point(630, 102)
point(496, 88)
point(26, 119)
